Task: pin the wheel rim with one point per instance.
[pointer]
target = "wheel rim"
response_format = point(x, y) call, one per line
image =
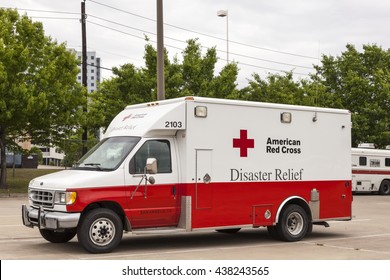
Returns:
point(294, 223)
point(386, 189)
point(102, 232)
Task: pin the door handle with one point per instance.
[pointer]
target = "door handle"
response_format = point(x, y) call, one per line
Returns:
point(174, 191)
point(206, 178)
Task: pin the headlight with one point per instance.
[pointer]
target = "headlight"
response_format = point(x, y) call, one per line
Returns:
point(67, 198)
point(30, 194)
point(31, 183)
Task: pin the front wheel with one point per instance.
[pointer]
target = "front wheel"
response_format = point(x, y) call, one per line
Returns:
point(293, 224)
point(384, 189)
point(54, 236)
point(100, 231)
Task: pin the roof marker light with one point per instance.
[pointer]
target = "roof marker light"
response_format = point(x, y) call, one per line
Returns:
point(201, 111)
point(285, 117)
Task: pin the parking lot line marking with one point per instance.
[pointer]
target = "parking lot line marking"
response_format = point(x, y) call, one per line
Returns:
point(145, 254)
point(9, 216)
point(350, 237)
point(11, 225)
point(352, 248)
point(185, 251)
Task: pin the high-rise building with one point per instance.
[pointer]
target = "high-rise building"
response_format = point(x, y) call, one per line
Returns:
point(93, 70)
point(52, 155)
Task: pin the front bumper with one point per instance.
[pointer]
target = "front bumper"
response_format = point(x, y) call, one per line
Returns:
point(49, 220)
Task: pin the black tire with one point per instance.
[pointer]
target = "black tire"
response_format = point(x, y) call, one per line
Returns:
point(100, 231)
point(229, 230)
point(58, 236)
point(293, 224)
point(309, 229)
point(384, 189)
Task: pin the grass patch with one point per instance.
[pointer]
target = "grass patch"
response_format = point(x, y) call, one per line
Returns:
point(18, 178)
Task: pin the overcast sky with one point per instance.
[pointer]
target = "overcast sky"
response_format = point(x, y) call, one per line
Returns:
point(264, 36)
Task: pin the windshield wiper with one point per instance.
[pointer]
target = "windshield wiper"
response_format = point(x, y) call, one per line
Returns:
point(97, 165)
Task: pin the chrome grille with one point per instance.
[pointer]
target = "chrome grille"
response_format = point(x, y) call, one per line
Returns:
point(42, 198)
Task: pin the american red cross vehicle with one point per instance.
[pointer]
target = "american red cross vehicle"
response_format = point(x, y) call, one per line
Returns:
point(370, 170)
point(192, 164)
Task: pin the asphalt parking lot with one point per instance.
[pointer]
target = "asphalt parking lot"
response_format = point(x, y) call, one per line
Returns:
point(366, 237)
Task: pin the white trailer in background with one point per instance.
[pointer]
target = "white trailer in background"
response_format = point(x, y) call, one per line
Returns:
point(370, 170)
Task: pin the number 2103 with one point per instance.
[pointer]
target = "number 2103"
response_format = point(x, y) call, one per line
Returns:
point(173, 124)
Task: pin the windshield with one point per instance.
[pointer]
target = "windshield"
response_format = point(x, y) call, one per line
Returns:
point(108, 154)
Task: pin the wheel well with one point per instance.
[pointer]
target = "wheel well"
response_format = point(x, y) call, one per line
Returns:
point(109, 205)
point(298, 201)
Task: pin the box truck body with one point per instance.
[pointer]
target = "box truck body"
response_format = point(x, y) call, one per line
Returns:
point(195, 163)
point(370, 170)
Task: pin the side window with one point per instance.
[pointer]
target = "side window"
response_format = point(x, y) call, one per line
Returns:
point(375, 163)
point(158, 149)
point(362, 161)
point(387, 161)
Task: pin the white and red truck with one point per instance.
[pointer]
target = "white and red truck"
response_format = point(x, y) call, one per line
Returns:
point(195, 163)
point(370, 170)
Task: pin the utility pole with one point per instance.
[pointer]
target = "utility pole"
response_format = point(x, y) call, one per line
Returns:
point(160, 52)
point(84, 137)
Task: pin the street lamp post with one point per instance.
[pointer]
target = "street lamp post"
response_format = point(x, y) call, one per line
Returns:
point(224, 13)
point(160, 52)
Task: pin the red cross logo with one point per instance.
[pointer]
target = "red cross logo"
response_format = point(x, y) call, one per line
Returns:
point(243, 143)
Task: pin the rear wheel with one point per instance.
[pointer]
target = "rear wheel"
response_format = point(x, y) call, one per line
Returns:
point(62, 236)
point(384, 189)
point(293, 224)
point(100, 231)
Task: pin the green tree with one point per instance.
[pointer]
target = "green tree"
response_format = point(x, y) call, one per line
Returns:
point(360, 82)
point(277, 88)
point(195, 75)
point(130, 85)
point(40, 98)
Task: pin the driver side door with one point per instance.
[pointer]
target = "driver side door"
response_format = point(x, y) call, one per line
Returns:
point(153, 205)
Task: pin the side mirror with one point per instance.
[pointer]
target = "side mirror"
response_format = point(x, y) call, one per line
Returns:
point(151, 166)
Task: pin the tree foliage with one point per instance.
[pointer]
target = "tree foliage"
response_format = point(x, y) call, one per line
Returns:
point(277, 88)
point(360, 82)
point(40, 98)
point(357, 81)
point(194, 75)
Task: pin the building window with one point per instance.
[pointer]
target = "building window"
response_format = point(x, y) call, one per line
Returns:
point(92, 70)
point(92, 57)
point(93, 78)
point(92, 84)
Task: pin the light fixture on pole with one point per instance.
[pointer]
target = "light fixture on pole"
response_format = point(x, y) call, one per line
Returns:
point(224, 13)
